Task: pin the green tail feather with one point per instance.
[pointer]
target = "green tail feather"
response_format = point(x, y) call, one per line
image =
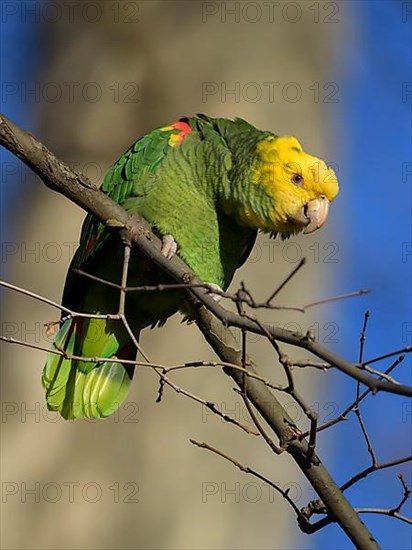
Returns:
point(79, 389)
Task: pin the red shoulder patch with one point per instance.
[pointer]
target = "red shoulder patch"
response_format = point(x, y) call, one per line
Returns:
point(184, 130)
point(183, 127)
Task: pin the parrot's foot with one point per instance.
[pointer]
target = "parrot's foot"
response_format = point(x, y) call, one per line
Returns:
point(169, 246)
point(51, 328)
point(217, 296)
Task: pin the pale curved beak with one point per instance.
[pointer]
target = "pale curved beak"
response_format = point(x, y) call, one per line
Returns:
point(313, 215)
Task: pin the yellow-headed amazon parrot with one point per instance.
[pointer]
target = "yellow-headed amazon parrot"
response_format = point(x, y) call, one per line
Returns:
point(206, 185)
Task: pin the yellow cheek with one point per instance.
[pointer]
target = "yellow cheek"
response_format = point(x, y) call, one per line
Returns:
point(269, 175)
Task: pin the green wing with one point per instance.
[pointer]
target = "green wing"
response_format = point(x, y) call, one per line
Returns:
point(132, 175)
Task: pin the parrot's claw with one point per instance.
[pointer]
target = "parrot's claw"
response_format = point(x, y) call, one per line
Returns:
point(169, 246)
point(217, 296)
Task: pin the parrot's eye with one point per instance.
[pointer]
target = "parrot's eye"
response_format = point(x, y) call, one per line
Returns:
point(296, 179)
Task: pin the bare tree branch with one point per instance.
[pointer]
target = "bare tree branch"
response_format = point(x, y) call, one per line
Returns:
point(134, 229)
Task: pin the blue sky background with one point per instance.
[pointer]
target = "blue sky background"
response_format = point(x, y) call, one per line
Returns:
point(21, 57)
point(373, 148)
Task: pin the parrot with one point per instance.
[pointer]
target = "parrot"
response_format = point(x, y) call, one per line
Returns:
point(206, 186)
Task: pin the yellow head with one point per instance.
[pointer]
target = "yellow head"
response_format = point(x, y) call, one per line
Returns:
point(301, 186)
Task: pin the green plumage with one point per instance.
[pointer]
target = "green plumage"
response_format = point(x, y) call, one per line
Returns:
point(188, 189)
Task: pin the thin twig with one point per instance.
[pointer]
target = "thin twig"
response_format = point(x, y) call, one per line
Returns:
point(70, 313)
point(291, 390)
point(356, 408)
point(349, 409)
point(374, 468)
point(248, 470)
point(285, 282)
point(243, 392)
point(385, 512)
point(405, 497)
point(354, 294)
point(208, 404)
point(303, 363)
point(380, 374)
point(126, 260)
point(406, 349)
point(96, 359)
point(150, 288)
